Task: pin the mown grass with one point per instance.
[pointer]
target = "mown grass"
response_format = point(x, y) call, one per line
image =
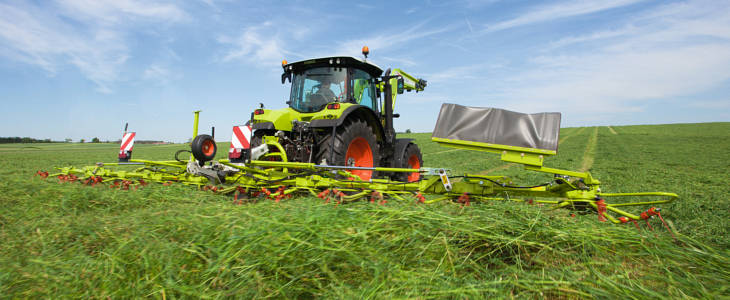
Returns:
point(63, 240)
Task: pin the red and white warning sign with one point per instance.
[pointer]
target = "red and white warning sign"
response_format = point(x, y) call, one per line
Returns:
point(239, 141)
point(125, 150)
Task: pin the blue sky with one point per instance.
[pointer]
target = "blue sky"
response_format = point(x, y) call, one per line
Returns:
point(82, 68)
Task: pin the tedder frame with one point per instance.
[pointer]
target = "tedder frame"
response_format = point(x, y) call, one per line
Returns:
point(281, 179)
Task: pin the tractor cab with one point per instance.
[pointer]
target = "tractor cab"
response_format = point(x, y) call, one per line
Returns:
point(318, 82)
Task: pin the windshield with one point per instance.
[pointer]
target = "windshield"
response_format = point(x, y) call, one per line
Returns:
point(312, 89)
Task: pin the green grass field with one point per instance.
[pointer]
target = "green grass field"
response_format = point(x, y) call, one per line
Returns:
point(67, 240)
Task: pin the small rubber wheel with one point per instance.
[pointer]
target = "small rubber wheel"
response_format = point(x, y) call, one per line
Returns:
point(203, 148)
point(411, 159)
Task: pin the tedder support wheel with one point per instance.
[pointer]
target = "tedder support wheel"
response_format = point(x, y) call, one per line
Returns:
point(355, 145)
point(411, 159)
point(203, 148)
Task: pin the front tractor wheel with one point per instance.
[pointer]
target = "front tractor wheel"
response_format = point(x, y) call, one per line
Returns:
point(411, 159)
point(355, 145)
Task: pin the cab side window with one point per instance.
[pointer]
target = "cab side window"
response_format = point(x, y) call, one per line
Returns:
point(363, 89)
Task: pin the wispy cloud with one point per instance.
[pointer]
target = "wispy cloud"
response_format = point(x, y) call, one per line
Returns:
point(475, 4)
point(211, 4)
point(265, 44)
point(723, 104)
point(402, 61)
point(610, 77)
point(115, 11)
point(468, 23)
point(685, 50)
point(88, 35)
point(259, 45)
point(558, 11)
point(159, 74)
point(594, 36)
point(458, 73)
point(365, 6)
point(35, 37)
point(392, 39)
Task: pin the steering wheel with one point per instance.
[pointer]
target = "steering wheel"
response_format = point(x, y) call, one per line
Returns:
point(317, 99)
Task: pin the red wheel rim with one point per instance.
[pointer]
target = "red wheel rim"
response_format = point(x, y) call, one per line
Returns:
point(361, 155)
point(208, 148)
point(414, 163)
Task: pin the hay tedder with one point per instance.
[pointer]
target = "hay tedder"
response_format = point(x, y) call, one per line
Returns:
point(336, 141)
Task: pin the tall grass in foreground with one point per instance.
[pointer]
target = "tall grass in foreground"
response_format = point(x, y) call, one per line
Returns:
point(63, 241)
point(173, 242)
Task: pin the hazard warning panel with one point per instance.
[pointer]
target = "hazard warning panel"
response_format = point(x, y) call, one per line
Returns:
point(125, 150)
point(239, 141)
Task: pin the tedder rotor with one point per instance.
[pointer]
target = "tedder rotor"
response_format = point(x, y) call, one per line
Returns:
point(336, 141)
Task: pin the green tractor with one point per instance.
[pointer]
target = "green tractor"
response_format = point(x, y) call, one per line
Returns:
point(341, 114)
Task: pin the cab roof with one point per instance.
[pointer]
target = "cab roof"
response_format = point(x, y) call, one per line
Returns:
point(334, 61)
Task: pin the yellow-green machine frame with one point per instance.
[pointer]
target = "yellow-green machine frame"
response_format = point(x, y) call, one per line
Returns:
point(276, 178)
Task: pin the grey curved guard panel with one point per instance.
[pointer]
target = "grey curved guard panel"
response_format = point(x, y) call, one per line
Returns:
point(498, 126)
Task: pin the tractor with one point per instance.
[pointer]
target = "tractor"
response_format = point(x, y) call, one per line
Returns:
point(341, 114)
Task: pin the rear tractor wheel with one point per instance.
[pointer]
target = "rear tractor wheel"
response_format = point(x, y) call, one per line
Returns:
point(411, 159)
point(355, 145)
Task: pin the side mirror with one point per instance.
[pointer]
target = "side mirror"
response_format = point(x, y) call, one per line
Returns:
point(285, 76)
point(400, 85)
point(421, 84)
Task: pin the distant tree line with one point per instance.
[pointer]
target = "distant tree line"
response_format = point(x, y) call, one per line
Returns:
point(28, 140)
point(12, 140)
point(143, 142)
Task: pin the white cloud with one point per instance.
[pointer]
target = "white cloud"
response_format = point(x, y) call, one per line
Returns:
point(603, 79)
point(266, 44)
point(594, 36)
point(211, 4)
point(160, 74)
point(401, 61)
point(389, 40)
point(455, 73)
point(35, 37)
point(468, 23)
point(558, 11)
point(677, 52)
point(259, 45)
point(115, 11)
point(711, 104)
point(88, 35)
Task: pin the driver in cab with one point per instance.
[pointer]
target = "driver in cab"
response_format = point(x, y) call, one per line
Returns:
point(326, 92)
